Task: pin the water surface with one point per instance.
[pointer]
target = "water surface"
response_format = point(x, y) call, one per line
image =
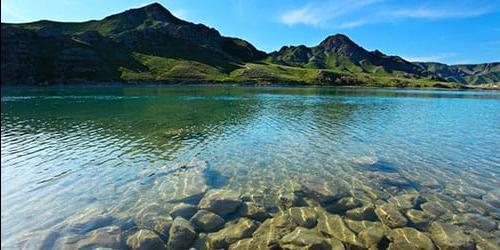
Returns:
point(66, 151)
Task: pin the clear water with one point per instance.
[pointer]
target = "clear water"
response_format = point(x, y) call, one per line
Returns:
point(66, 151)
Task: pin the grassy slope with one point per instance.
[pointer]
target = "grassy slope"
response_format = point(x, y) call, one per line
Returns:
point(165, 69)
point(186, 69)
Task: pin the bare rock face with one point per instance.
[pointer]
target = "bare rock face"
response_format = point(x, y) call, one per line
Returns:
point(181, 235)
point(221, 202)
point(448, 236)
point(144, 240)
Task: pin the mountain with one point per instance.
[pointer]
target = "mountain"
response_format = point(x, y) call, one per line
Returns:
point(465, 73)
point(132, 42)
point(341, 53)
point(149, 44)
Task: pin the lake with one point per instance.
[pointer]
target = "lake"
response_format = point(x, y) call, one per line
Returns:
point(75, 160)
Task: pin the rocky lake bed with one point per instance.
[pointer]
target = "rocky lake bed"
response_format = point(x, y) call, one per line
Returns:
point(229, 167)
point(389, 211)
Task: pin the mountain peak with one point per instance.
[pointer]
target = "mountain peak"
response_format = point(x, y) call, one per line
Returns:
point(336, 41)
point(153, 11)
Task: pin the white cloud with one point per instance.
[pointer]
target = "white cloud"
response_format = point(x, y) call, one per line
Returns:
point(435, 13)
point(346, 14)
point(353, 24)
point(320, 14)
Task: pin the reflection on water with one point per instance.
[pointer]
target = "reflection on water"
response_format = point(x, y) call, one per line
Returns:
point(76, 160)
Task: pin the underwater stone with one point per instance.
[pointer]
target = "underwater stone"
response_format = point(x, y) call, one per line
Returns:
point(109, 237)
point(181, 234)
point(275, 228)
point(221, 202)
point(288, 200)
point(323, 191)
point(409, 238)
point(493, 198)
point(449, 236)
point(144, 240)
point(482, 205)
point(358, 226)
point(344, 204)
point(303, 216)
point(253, 211)
point(406, 201)
point(433, 207)
point(390, 216)
point(334, 226)
point(362, 213)
point(201, 242)
point(303, 238)
point(419, 219)
point(478, 221)
point(162, 227)
point(206, 221)
point(371, 236)
point(232, 233)
point(183, 210)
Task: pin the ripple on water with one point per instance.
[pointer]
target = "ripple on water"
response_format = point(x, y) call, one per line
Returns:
point(97, 165)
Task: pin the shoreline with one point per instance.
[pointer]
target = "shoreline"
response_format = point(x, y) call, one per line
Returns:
point(238, 84)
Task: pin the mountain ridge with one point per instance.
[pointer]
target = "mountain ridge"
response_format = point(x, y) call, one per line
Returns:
point(151, 44)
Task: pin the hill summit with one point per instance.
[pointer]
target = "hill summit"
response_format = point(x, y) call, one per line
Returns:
point(150, 44)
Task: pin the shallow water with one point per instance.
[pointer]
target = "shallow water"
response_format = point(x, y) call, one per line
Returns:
point(72, 151)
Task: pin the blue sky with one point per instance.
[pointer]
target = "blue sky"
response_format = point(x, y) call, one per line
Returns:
point(449, 31)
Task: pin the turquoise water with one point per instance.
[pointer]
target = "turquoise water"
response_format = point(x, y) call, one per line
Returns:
point(67, 152)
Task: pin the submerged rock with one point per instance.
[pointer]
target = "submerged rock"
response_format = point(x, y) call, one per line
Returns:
point(288, 200)
point(419, 219)
point(435, 208)
point(358, 226)
point(409, 238)
point(303, 238)
point(370, 237)
point(273, 229)
point(144, 240)
point(232, 233)
point(390, 216)
point(448, 236)
point(183, 210)
point(207, 221)
point(181, 235)
point(321, 190)
point(344, 204)
point(334, 226)
point(478, 221)
point(493, 198)
point(105, 237)
point(303, 216)
point(362, 213)
point(162, 227)
point(406, 201)
point(221, 202)
point(253, 211)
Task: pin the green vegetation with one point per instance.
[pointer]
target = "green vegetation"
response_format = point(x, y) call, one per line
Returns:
point(149, 44)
